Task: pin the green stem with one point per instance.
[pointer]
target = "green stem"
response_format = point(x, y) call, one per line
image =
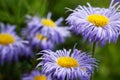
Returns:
point(34, 62)
point(93, 54)
point(93, 49)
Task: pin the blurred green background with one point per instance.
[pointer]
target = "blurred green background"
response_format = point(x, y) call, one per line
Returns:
point(14, 12)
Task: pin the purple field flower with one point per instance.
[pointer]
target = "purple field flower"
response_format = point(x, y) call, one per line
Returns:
point(36, 75)
point(47, 27)
point(67, 65)
point(41, 42)
point(96, 24)
point(11, 46)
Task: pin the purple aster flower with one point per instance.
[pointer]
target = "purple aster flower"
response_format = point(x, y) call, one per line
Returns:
point(41, 42)
point(11, 46)
point(36, 75)
point(67, 65)
point(47, 27)
point(96, 24)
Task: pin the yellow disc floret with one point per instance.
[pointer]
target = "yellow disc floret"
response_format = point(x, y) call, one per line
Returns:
point(41, 37)
point(98, 20)
point(40, 77)
point(6, 39)
point(67, 62)
point(48, 22)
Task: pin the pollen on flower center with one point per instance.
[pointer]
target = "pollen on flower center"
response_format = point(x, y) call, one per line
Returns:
point(48, 22)
point(6, 39)
point(98, 20)
point(40, 77)
point(41, 37)
point(67, 62)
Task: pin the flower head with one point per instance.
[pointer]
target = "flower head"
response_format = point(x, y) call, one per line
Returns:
point(11, 46)
point(49, 28)
point(96, 24)
point(68, 65)
point(41, 42)
point(36, 75)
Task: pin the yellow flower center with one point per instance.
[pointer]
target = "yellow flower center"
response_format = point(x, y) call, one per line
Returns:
point(6, 39)
point(67, 62)
point(48, 22)
point(41, 37)
point(98, 20)
point(40, 77)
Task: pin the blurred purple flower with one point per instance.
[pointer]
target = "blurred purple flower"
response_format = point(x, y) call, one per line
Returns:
point(45, 33)
point(41, 42)
point(96, 24)
point(67, 65)
point(11, 46)
point(47, 27)
point(36, 75)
